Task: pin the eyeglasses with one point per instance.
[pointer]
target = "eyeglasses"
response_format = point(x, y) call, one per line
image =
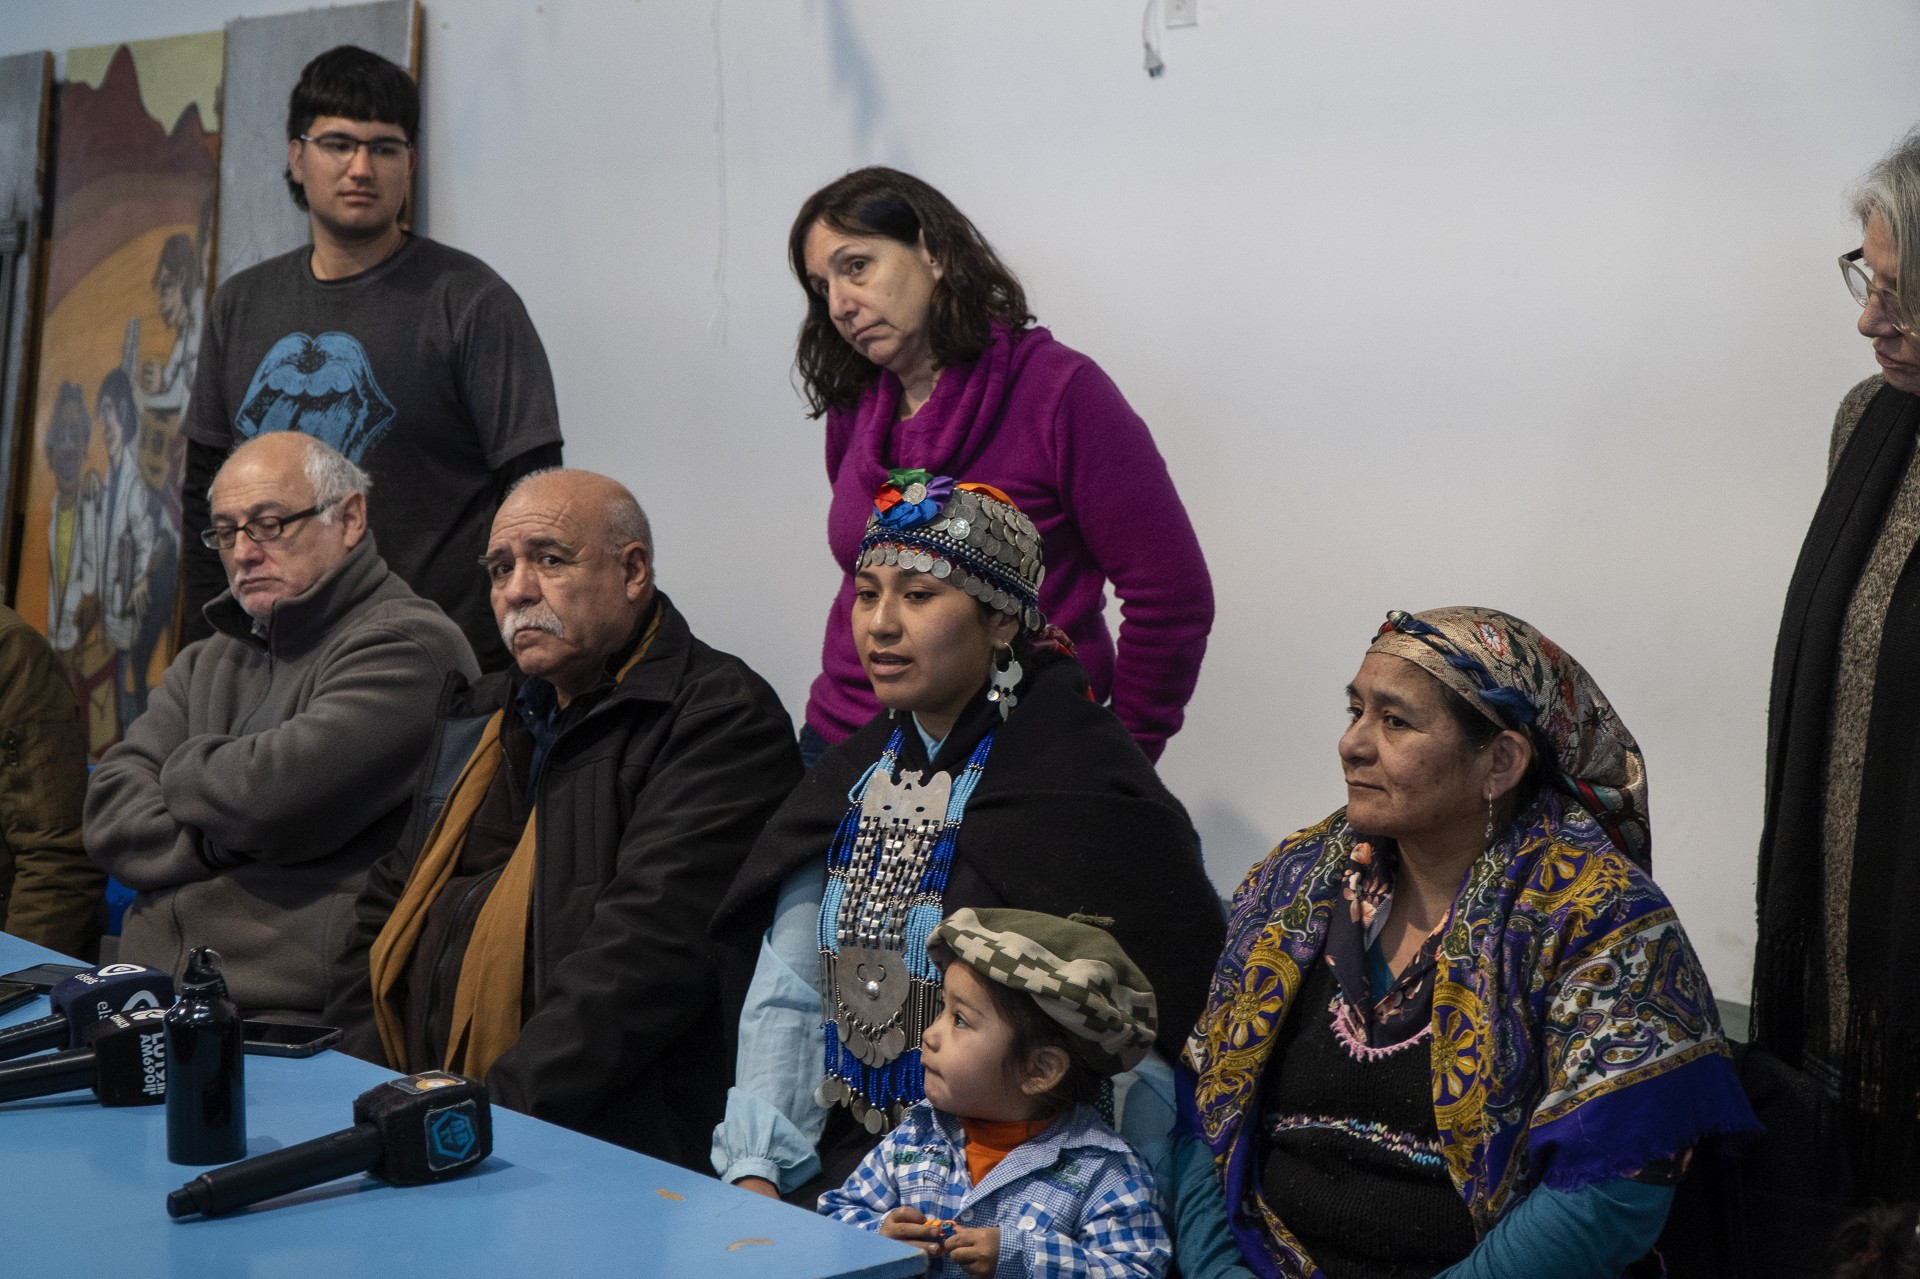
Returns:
point(1853, 269)
point(340, 148)
point(261, 528)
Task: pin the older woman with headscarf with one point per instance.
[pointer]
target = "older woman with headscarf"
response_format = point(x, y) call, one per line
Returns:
point(990, 779)
point(1456, 1028)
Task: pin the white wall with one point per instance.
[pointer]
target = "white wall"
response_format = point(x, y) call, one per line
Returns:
point(1522, 304)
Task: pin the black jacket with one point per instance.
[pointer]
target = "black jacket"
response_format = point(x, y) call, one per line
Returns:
point(645, 810)
point(1069, 816)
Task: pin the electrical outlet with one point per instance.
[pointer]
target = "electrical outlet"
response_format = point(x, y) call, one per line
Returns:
point(1183, 13)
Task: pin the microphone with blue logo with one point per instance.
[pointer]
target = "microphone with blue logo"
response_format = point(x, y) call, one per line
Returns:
point(85, 998)
point(409, 1132)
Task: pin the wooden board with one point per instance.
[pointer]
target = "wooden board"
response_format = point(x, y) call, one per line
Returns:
point(136, 167)
point(26, 96)
point(258, 218)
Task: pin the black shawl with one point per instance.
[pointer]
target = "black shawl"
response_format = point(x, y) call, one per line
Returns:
point(1883, 948)
point(1069, 817)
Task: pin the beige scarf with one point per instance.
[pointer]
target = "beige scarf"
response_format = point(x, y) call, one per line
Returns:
point(486, 1001)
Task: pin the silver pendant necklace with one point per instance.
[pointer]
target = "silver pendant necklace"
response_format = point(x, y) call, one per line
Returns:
point(867, 981)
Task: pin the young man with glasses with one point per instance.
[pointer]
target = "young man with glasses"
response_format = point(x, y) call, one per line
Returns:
point(1834, 993)
point(413, 359)
point(275, 762)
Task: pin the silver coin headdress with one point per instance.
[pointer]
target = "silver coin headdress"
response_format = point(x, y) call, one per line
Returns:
point(971, 535)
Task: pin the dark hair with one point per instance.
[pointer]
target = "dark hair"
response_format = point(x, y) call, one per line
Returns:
point(1475, 727)
point(975, 287)
point(1878, 1244)
point(117, 388)
point(1480, 732)
point(1034, 1030)
point(70, 415)
point(179, 263)
point(353, 84)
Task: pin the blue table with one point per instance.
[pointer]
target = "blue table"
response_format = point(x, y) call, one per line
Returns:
point(83, 1192)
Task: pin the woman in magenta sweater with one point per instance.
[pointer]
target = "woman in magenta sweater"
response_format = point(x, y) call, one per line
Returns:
point(919, 350)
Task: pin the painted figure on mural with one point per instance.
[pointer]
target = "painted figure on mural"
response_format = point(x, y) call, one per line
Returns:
point(136, 545)
point(128, 537)
point(75, 558)
point(178, 284)
point(161, 465)
point(73, 535)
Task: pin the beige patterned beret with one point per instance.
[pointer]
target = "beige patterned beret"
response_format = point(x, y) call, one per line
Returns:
point(1076, 972)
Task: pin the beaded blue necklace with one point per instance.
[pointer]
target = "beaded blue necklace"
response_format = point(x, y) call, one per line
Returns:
point(887, 874)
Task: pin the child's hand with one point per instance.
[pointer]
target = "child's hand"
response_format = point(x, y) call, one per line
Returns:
point(911, 1226)
point(975, 1249)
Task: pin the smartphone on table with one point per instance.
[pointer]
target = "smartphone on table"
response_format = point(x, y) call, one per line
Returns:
point(15, 993)
point(287, 1039)
point(44, 977)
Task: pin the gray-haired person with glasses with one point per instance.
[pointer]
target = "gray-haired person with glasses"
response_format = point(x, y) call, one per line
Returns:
point(411, 358)
point(276, 761)
point(1835, 991)
point(264, 528)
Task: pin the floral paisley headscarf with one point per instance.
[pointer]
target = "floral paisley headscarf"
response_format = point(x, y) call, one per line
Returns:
point(1574, 1038)
point(1521, 680)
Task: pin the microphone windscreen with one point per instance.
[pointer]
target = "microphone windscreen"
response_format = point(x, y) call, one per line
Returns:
point(130, 1054)
point(85, 998)
point(432, 1126)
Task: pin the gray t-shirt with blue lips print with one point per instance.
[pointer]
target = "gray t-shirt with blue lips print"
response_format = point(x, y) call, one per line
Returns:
point(426, 371)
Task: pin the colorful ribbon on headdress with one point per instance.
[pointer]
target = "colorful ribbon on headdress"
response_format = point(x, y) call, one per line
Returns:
point(963, 532)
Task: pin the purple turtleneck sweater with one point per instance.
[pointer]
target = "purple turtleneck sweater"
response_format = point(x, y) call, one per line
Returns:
point(1044, 425)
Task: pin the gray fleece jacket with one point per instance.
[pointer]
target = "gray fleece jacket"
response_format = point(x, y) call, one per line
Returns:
point(268, 773)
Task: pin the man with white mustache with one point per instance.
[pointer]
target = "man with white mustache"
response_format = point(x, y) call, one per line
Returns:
point(539, 618)
point(542, 924)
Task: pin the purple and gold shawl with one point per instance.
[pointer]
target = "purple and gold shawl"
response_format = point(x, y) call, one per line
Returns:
point(1575, 1039)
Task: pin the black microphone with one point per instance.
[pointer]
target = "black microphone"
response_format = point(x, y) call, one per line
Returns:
point(124, 1062)
point(409, 1132)
point(84, 999)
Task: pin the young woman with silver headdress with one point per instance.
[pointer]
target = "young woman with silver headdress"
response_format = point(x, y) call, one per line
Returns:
point(990, 779)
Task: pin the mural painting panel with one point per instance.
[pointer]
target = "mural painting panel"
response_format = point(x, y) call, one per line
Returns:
point(136, 172)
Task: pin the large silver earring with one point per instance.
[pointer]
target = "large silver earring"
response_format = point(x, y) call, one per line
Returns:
point(1003, 676)
point(1489, 817)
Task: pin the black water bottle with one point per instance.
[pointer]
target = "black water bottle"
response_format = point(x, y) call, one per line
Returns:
point(206, 1096)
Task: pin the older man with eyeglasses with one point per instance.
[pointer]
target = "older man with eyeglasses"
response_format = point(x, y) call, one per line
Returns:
point(415, 360)
point(1839, 875)
point(276, 761)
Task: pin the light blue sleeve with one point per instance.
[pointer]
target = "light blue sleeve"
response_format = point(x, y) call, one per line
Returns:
point(1595, 1232)
point(773, 1122)
point(1194, 1203)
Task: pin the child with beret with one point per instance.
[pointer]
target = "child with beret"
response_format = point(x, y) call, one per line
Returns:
point(1006, 1167)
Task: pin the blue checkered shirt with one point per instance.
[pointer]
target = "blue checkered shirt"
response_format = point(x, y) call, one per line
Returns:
point(1074, 1201)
